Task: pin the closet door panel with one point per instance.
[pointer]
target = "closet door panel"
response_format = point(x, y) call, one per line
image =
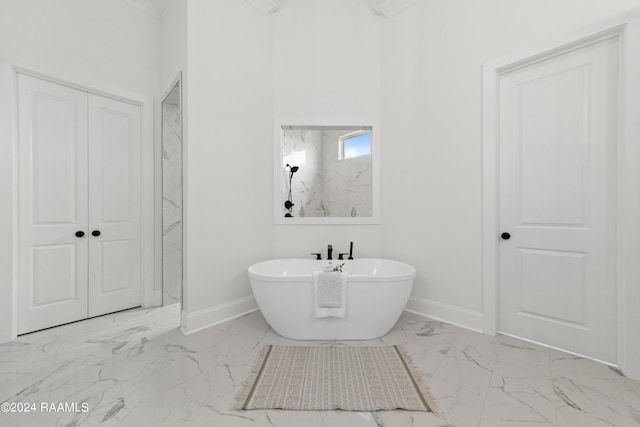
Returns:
point(114, 205)
point(52, 153)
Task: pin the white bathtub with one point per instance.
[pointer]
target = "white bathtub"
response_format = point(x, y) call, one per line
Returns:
point(377, 293)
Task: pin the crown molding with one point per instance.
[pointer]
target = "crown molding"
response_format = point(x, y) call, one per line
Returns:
point(384, 8)
point(265, 6)
point(153, 8)
point(391, 8)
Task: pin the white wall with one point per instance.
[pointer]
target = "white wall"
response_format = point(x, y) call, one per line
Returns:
point(7, 136)
point(173, 62)
point(432, 58)
point(106, 43)
point(327, 64)
point(245, 69)
point(173, 42)
point(228, 185)
point(419, 72)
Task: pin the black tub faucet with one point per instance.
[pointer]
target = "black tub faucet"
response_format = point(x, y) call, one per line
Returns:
point(329, 252)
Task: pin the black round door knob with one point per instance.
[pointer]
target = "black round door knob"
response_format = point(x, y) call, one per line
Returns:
point(95, 233)
point(505, 236)
point(79, 233)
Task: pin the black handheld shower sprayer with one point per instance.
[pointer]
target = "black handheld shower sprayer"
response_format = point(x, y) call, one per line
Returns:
point(288, 205)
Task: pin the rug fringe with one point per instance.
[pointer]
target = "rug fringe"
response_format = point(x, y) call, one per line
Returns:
point(243, 395)
point(422, 386)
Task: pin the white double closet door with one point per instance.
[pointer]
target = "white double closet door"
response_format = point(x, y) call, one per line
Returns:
point(79, 204)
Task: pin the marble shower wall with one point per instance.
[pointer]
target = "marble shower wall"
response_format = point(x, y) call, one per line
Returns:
point(324, 185)
point(346, 183)
point(171, 204)
point(303, 148)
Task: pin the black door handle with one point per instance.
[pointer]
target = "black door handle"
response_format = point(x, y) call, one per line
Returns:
point(95, 233)
point(505, 236)
point(79, 233)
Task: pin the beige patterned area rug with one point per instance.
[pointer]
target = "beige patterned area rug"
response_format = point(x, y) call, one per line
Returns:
point(330, 378)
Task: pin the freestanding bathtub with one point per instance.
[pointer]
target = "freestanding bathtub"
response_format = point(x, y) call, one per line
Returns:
point(377, 292)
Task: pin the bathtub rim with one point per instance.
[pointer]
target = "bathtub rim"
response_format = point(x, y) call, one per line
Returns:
point(308, 277)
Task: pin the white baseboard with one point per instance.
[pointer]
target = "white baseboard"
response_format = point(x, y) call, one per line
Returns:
point(194, 322)
point(457, 316)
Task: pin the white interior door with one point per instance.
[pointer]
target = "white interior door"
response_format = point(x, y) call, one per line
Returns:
point(557, 136)
point(114, 208)
point(52, 204)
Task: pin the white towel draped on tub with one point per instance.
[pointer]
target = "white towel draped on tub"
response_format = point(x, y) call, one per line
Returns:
point(330, 291)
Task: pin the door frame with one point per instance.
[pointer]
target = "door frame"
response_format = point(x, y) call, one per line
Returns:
point(627, 30)
point(9, 215)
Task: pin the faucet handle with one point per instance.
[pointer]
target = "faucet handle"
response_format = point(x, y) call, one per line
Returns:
point(318, 256)
point(341, 256)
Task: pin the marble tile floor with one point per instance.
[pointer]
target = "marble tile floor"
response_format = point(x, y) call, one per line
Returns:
point(136, 368)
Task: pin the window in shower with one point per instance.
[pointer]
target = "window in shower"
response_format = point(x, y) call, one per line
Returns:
point(355, 144)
